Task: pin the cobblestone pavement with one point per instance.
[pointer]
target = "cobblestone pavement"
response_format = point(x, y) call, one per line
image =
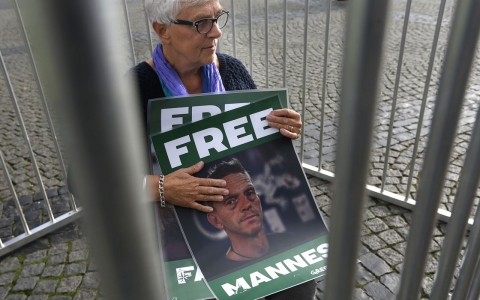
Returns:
point(59, 266)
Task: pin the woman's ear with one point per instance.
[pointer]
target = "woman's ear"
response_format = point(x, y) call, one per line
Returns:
point(162, 32)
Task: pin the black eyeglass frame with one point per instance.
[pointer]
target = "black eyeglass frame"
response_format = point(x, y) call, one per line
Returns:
point(195, 23)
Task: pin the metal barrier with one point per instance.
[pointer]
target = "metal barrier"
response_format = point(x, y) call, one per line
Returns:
point(366, 24)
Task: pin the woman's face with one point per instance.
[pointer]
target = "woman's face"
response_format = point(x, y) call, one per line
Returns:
point(184, 45)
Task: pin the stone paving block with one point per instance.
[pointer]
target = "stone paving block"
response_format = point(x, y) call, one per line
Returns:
point(16, 297)
point(391, 237)
point(85, 295)
point(364, 276)
point(38, 297)
point(52, 271)
point(360, 294)
point(4, 292)
point(58, 249)
point(75, 269)
point(395, 221)
point(78, 255)
point(61, 298)
point(380, 211)
point(69, 284)
point(375, 264)
point(378, 291)
point(373, 242)
point(32, 270)
point(391, 281)
point(91, 280)
point(376, 225)
point(427, 285)
point(10, 264)
point(25, 284)
point(56, 259)
point(64, 237)
point(390, 256)
point(35, 257)
point(6, 278)
point(45, 287)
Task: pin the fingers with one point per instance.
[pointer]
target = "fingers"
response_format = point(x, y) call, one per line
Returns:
point(288, 121)
point(203, 208)
point(195, 168)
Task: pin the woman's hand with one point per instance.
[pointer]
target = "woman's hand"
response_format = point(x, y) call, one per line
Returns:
point(183, 189)
point(287, 120)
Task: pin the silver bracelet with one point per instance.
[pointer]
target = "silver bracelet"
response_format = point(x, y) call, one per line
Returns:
point(161, 190)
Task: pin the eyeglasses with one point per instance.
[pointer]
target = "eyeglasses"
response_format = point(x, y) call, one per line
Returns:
point(205, 25)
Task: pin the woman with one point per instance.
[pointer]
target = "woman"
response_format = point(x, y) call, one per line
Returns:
point(185, 62)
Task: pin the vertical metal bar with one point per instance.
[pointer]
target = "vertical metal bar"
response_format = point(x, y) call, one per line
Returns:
point(474, 293)
point(250, 51)
point(149, 32)
point(304, 92)
point(14, 194)
point(27, 140)
point(425, 94)
point(455, 73)
point(266, 43)
point(107, 159)
point(395, 92)
point(324, 82)
point(284, 43)
point(462, 205)
point(127, 18)
point(366, 21)
point(232, 4)
point(470, 262)
point(44, 101)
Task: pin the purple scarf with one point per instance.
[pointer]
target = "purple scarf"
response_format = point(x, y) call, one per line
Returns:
point(171, 83)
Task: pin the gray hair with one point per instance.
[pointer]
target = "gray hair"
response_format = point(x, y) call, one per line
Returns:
point(164, 11)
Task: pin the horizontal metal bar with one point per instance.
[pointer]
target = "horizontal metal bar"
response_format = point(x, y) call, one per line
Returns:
point(372, 191)
point(40, 231)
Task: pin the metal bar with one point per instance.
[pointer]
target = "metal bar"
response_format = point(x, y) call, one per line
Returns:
point(39, 231)
point(233, 28)
point(266, 43)
point(304, 91)
point(474, 293)
point(373, 191)
point(462, 205)
point(44, 101)
point(14, 195)
point(366, 22)
point(324, 82)
point(470, 262)
point(395, 92)
point(453, 81)
point(27, 139)
point(250, 50)
point(425, 94)
point(107, 159)
point(284, 43)
point(149, 32)
point(127, 18)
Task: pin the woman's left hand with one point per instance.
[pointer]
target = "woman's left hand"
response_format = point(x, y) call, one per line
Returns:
point(287, 120)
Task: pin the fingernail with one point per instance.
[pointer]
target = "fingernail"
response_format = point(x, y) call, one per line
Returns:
point(225, 192)
point(209, 209)
point(224, 183)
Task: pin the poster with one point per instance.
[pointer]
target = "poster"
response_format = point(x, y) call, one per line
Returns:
point(267, 235)
point(183, 279)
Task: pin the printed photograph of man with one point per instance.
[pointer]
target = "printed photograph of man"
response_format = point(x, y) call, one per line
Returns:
point(240, 214)
point(269, 210)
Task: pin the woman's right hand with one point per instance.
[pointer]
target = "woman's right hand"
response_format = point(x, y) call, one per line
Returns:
point(183, 189)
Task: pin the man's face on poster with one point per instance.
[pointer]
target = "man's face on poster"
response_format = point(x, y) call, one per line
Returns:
point(240, 212)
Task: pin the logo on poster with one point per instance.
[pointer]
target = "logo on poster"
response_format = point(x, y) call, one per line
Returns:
point(183, 274)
